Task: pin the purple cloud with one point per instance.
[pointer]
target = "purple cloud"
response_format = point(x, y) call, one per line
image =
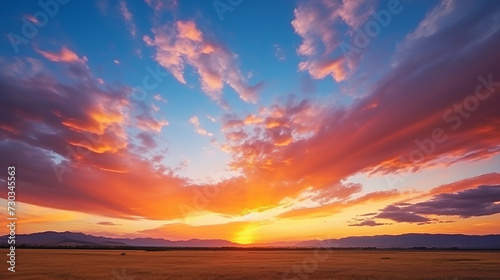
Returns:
point(481, 201)
point(369, 223)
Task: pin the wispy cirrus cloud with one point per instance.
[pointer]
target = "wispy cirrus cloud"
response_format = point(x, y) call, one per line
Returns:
point(162, 5)
point(128, 17)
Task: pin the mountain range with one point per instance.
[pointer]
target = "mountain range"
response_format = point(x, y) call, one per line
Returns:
point(73, 239)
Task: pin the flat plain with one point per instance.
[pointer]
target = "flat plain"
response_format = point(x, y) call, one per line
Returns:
point(69, 264)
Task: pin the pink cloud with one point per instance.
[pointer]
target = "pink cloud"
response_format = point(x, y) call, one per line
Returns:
point(195, 121)
point(318, 69)
point(317, 22)
point(183, 43)
point(146, 122)
point(65, 55)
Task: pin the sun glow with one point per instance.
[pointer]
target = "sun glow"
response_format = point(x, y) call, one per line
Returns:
point(245, 236)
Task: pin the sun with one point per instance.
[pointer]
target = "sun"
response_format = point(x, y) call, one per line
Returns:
point(245, 236)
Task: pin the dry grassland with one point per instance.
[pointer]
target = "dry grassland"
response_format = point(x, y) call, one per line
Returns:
point(43, 264)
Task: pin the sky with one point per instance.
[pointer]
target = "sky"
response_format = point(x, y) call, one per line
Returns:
point(251, 121)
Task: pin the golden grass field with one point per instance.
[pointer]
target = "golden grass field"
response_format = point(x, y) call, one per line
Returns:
point(39, 264)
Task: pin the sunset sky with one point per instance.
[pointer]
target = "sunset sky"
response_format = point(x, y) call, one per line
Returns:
point(251, 121)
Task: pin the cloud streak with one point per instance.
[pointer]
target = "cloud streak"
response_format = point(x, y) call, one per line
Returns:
point(127, 16)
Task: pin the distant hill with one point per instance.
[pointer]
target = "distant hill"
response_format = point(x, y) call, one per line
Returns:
point(51, 238)
point(73, 239)
point(410, 241)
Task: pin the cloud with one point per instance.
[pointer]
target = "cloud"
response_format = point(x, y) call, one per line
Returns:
point(337, 192)
point(183, 43)
point(278, 52)
point(481, 201)
point(397, 214)
point(318, 69)
point(485, 179)
point(313, 143)
point(32, 19)
point(42, 103)
point(107, 224)
point(212, 119)
point(368, 214)
point(78, 134)
point(317, 23)
point(147, 140)
point(158, 97)
point(195, 121)
point(65, 55)
point(231, 121)
point(433, 20)
point(147, 122)
point(162, 5)
point(337, 206)
point(236, 135)
point(278, 125)
point(21, 66)
point(127, 16)
point(369, 223)
point(448, 16)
